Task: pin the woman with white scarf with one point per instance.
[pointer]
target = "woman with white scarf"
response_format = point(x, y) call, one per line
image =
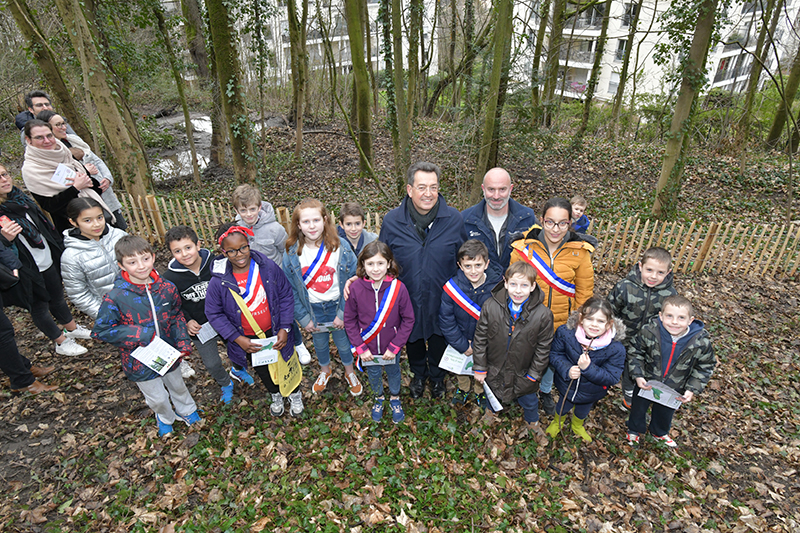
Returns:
point(94, 165)
point(43, 154)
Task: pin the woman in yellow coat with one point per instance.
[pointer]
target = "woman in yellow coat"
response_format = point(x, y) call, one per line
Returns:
point(564, 272)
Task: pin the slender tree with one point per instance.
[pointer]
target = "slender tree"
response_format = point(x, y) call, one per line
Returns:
point(553, 53)
point(233, 97)
point(361, 81)
point(536, 77)
point(299, 56)
point(692, 80)
point(785, 104)
point(596, 67)
point(633, 22)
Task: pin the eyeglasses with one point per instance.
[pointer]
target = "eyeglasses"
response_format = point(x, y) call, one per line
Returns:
point(40, 138)
point(60, 125)
point(422, 188)
point(233, 253)
point(550, 224)
point(5, 176)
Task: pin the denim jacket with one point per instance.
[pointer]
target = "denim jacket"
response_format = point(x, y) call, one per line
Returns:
point(302, 306)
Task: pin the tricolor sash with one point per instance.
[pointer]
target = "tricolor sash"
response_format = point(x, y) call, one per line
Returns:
point(315, 267)
point(461, 299)
point(385, 307)
point(546, 273)
point(252, 281)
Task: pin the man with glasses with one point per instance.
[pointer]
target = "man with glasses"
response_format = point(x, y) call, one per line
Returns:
point(497, 220)
point(424, 234)
point(36, 101)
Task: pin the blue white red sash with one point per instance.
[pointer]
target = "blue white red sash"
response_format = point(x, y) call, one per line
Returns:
point(546, 273)
point(315, 267)
point(461, 299)
point(252, 283)
point(385, 307)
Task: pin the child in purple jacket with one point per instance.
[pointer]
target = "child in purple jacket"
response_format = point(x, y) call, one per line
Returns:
point(378, 318)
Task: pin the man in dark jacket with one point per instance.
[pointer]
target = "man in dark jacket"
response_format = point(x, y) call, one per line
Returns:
point(36, 101)
point(424, 234)
point(496, 217)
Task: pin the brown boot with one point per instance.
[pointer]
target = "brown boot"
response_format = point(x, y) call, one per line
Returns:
point(41, 371)
point(535, 431)
point(36, 387)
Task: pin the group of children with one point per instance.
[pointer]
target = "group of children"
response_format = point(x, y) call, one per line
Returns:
point(265, 282)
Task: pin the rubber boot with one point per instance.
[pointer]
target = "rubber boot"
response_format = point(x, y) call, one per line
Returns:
point(578, 429)
point(555, 426)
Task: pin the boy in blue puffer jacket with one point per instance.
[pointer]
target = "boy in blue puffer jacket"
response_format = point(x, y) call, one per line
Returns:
point(140, 307)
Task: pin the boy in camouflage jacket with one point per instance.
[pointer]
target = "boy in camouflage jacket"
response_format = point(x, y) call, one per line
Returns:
point(637, 298)
point(674, 349)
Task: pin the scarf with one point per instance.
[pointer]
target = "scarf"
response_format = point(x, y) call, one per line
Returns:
point(40, 165)
point(598, 342)
point(422, 222)
point(16, 207)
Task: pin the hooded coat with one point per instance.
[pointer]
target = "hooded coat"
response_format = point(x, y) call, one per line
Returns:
point(269, 236)
point(225, 315)
point(603, 372)
point(89, 267)
point(509, 357)
point(636, 303)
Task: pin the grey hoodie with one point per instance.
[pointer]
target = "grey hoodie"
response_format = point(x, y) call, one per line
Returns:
point(270, 236)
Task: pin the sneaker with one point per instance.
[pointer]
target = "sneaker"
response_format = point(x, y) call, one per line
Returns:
point(397, 411)
point(627, 400)
point(377, 408)
point(296, 404)
point(482, 401)
point(666, 439)
point(227, 393)
point(355, 386)
point(164, 429)
point(70, 347)
point(320, 383)
point(79, 332)
point(303, 354)
point(186, 370)
point(241, 376)
point(632, 438)
point(276, 407)
point(190, 419)
point(460, 397)
point(547, 404)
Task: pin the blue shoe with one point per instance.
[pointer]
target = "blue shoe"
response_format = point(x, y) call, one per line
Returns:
point(164, 429)
point(242, 375)
point(193, 418)
point(377, 409)
point(227, 393)
point(397, 411)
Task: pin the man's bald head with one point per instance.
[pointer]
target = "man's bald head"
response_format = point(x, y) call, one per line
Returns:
point(497, 191)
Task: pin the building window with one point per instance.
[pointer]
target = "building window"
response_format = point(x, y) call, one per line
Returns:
point(622, 44)
point(613, 83)
point(631, 11)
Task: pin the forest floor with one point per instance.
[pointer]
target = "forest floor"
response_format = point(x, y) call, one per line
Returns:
point(87, 458)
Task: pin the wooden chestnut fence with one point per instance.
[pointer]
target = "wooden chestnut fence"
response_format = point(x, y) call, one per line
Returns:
point(727, 248)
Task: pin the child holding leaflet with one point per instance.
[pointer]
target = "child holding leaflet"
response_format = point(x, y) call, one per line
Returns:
point(511, 347)
point(318, 267)
point(190, 271)
point(675, 349)
point(378, 318)
point(249, 298)
point(463, 296)
point(141, 307)
point(587, 359)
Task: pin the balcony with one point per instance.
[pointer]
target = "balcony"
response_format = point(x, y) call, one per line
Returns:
point(733, 73)
point(583, 23)
point(576, 56)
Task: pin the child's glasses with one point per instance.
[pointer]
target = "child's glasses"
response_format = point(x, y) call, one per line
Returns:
point(550, 224)
point(233, 253)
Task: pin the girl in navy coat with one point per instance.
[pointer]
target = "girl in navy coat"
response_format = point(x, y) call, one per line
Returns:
point(587, 357)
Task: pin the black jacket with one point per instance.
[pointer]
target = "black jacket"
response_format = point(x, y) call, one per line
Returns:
point(191, 287)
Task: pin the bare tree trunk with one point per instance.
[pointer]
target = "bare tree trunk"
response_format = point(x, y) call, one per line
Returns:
point(551, 67)
point(469, 33)
point(297, 39)
point(671, 178)
point(361, 82)
point(623, 75)
point(231, 90)
point(45, 58)
point(173, 63)
point(403, 156)
point(414, 26)
point(193, 24)
point(544, 16)
point(127, 152)
point(502, 43)
point(785, 105)
point(596, 67)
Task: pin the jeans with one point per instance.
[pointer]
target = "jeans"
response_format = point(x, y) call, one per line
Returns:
point(546, 383)
point(13, 364)
point(424, 360)
point(57, 306)
point(159, 391)
point(326, 312)
point(564, 406)
point(660, 418)
point(209, 353)
point(375, 373)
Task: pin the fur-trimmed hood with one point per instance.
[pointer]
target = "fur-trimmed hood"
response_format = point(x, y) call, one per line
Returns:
point(619, 325)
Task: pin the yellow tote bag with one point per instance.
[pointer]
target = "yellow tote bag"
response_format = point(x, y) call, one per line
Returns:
point(286, 374)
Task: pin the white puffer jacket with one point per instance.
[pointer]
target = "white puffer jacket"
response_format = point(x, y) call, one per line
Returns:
point(89, 267)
